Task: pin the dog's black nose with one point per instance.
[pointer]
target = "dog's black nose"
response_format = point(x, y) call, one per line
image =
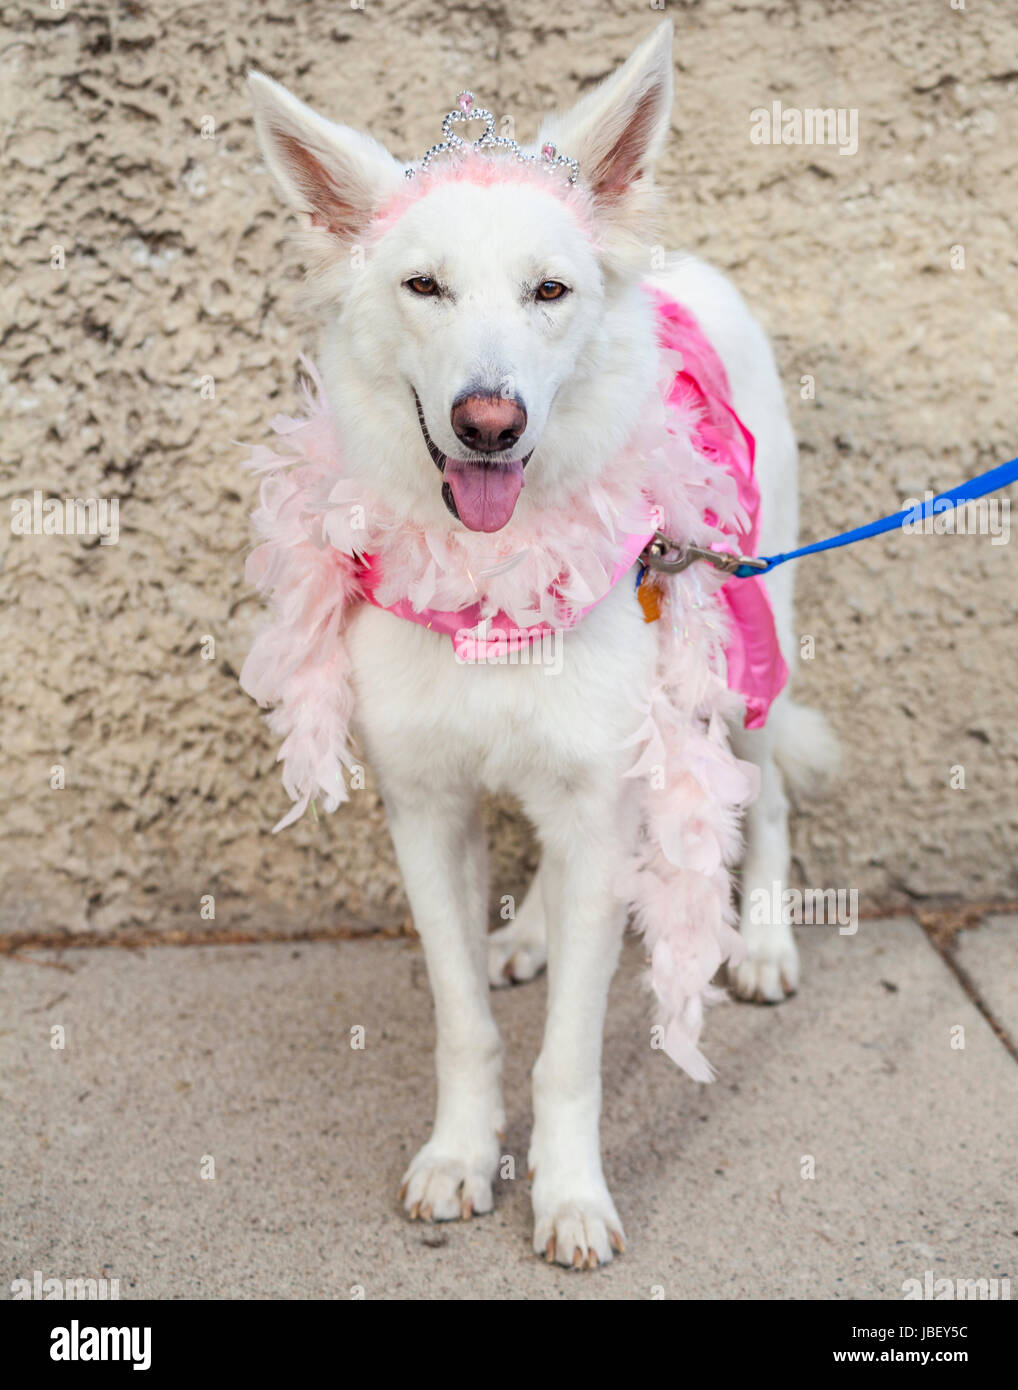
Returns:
point(488, 424)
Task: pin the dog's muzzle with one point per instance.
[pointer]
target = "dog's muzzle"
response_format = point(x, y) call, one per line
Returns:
point(480, 492)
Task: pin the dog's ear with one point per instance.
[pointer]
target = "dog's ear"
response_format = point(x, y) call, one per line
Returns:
point(334, 174)
point(617, 131)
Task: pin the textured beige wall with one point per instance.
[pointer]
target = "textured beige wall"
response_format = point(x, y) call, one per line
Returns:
point(176, 267)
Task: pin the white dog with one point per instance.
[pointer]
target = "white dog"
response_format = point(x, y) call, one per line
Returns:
point(488, 327)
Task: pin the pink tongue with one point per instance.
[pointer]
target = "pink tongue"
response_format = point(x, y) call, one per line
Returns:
point(485, 494)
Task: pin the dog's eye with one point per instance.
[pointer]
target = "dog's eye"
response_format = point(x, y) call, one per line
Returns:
point(422, 284)
point(551, 289)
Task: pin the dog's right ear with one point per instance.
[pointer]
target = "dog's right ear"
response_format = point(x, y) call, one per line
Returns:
point(334, 174)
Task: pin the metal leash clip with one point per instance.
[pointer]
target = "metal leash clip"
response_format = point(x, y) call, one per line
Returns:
point(656, 557)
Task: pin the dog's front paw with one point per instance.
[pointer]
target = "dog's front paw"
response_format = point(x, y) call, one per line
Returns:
point(440, 1187)
point(578, 1231)
point(770, 970)
point(579, 1234)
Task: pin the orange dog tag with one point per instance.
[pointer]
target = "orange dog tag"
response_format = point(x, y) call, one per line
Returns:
point(650, 595)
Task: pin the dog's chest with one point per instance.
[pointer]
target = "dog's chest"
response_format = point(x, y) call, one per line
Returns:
point(568, 705)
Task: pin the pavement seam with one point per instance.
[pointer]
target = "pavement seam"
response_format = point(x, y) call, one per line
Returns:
point(940, 924)
point(941, 929)
point(15, 943)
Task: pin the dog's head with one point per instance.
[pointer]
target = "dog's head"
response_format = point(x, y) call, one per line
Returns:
point(484, 322)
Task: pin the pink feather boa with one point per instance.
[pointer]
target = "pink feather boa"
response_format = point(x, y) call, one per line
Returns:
point(316, 523)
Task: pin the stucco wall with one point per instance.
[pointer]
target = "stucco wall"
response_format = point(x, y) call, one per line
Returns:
point(176, 268)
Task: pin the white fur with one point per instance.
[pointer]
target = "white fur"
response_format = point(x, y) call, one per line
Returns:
point(438, 733)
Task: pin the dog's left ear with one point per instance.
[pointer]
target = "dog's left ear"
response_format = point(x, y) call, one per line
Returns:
point(617, 131)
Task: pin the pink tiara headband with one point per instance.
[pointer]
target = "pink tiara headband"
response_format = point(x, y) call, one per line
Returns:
point(465, 110)
point(476, 162)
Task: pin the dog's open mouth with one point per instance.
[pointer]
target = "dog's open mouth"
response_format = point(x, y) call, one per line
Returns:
point(480, 492)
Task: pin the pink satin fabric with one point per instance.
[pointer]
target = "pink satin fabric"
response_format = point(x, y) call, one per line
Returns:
point(756, 668)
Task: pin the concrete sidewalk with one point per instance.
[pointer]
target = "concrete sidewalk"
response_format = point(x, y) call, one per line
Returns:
point(243, 1053)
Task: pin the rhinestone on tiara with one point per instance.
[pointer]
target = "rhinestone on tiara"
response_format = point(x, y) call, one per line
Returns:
point(465, 110)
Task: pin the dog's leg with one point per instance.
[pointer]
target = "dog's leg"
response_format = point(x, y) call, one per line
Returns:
point(439, 839)
point(519, 951)
point(575, 1221)
point(771, 967)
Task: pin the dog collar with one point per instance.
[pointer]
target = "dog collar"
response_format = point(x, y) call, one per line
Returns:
point(477, 639)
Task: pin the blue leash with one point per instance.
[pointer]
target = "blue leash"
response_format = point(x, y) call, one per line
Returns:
point(748, 567)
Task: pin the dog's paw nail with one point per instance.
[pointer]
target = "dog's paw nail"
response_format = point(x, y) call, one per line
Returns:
point(618, 1243)
point(466, 1209)
point(577, 1258)
point(426, 1213)
point(549, 1250)
point(415, 1211)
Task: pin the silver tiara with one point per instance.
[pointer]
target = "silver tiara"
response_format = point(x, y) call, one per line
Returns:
point(549, 156)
